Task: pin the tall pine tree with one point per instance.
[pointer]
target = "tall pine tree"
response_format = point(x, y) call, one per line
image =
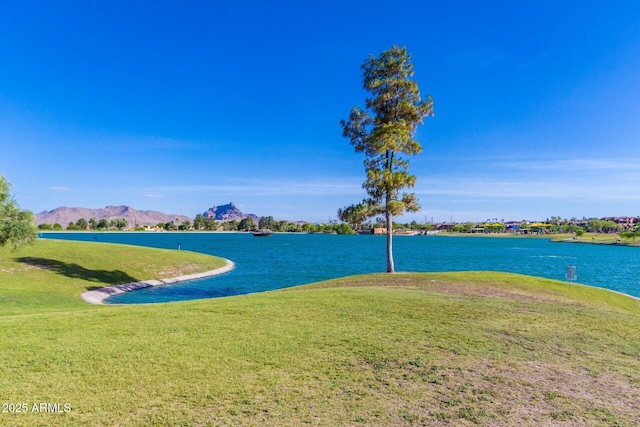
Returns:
point(384, 131)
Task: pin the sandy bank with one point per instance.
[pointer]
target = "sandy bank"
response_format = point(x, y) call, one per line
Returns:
point(98, 296)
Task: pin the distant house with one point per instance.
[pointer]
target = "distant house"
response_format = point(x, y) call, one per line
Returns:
point(540, 228)
point(513, 226)
point(379, 230)
point(624, 221)
point(447, 226)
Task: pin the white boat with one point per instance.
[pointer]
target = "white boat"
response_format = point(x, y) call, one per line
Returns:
point(406, 233)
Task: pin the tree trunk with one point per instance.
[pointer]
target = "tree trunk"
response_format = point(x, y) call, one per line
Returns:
point(390, 266)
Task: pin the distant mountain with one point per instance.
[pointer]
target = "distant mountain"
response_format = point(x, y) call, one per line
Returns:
point(228, 212)
point(65, 215)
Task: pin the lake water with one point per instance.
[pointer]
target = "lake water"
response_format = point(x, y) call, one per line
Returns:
point(284, 260)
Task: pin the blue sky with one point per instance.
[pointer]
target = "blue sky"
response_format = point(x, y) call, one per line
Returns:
point(179, 106)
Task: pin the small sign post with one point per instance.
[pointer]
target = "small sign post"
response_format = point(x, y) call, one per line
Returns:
point(570, 274)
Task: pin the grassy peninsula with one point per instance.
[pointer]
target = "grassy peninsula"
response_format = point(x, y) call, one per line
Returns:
point(51, 275)
point(466, 349)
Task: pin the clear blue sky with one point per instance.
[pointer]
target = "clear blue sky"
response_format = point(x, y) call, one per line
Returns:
point(179, 106)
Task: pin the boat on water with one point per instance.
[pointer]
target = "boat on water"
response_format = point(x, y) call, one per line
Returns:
point(262, 233)
point(406, 233)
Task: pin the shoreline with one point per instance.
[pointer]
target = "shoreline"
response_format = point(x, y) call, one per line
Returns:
point(97, 296)
point(598, 242)
point(553, 238)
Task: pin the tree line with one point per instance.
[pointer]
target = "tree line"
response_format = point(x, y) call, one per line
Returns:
point(202, 223)
point(352, 220)
point(552, 225)
point(269, 223)
point(92, 224)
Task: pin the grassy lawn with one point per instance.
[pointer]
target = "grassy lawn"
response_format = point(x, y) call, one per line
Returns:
point(593, 238)
point(51, 275)
point(599, 238)
point(405, 349)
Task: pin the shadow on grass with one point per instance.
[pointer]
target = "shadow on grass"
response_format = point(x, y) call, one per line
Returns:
point(75, 271)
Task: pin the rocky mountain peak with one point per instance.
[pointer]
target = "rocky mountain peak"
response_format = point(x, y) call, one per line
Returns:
point(228, 212)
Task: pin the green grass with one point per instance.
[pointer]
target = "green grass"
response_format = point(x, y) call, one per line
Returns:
point(598, 239)
point(590, 238)
point(51, 275)
point(404, 349)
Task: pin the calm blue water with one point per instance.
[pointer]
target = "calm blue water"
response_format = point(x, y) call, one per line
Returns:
point(284, 260)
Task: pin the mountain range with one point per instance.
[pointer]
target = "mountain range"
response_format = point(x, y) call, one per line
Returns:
point(64, 215)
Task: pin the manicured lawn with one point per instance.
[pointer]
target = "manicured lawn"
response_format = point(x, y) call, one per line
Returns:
point(51, 275)
point(599, 238)
point(404, 349)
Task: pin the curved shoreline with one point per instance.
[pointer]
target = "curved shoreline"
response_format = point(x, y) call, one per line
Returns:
point(98, 296)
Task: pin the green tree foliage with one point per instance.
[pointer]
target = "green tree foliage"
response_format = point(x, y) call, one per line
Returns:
point(72, 226)
point(354, 215)
point(82, 224)
point(210, 224)
point(309, 228)
point(602, 226)
point(230, 225)
point(281, 225)
point(246, 224)
point(199, 222)
point(384, 131)
point(267, 222)
point(294, 227)
point(343, 228)
point(17, 226)
point(119, 223)
point(629, 234)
